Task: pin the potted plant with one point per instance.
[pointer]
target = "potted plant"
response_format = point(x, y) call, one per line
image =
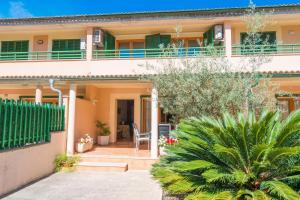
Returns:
point(84, 144)
point(103, 133)
point(163, 142)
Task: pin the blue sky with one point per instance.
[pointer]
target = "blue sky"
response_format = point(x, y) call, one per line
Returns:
point(36, 8)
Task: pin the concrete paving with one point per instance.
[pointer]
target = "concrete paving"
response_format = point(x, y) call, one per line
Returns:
point(131, 185)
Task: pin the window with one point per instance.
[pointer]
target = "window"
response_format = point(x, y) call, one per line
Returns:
point(132, 49)
point(66, 49)
point(193, 47)
point(138, 49)
point(14, 50)
point(188, 46)
point(124, 48)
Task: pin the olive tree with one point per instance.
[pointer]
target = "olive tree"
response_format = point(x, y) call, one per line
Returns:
point(209, 83)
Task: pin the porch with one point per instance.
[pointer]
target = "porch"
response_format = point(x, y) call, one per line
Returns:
point(118, 156)
point(119, 105)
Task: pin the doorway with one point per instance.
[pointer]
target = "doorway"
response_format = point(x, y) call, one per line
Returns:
point(125, 118)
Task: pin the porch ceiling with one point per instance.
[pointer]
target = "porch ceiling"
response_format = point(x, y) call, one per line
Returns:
point(123, 84)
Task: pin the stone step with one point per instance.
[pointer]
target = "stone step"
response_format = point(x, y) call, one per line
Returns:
point(134, 163)
point(102, 166)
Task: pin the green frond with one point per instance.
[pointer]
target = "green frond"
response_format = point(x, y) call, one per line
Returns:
point(207, 196)
point(252, 195)
point(257, 152)
point(193, 165)
point(280, 190)
point(230, 155)
point(241, 177)
point(289, 127)
point(181, 186)
point(277, 154)
point(214, 176)
point(241, 158)
point(293, 180)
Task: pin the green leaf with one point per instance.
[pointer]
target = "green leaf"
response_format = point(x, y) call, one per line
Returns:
point(193, 165)
point(280, 190)
point(250, 195)
point(207, 196)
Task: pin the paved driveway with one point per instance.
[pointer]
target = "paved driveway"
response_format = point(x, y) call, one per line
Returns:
point(131, 185)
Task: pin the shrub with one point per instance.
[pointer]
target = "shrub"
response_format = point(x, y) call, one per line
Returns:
point(234, 158)
point(103, 129)
point(64, 162)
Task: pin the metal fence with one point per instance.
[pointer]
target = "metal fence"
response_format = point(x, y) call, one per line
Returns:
point(159, 53)
point(43, 55)
point(23, 123)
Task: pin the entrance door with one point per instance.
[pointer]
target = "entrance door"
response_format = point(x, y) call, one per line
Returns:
point(125, 118)
point(146, 114)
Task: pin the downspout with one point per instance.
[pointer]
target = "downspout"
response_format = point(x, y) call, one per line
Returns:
point(51, 81)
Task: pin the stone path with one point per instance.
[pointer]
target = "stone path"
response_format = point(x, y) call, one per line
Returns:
point(131, 185)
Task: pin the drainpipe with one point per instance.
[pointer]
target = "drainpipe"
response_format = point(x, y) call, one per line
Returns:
point(51, 81)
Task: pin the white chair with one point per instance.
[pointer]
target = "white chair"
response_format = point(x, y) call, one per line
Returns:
point(141, 137)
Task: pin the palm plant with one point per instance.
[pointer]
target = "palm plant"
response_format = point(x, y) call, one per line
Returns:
point(234, 158)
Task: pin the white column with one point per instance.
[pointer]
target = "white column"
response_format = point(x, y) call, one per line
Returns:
point(71, 120)
point(38, 94)
point(66, 104)
point(154, 123)
point(89, 43)
point(228, 40)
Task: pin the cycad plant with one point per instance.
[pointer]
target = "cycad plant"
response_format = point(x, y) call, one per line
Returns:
point(234, 158)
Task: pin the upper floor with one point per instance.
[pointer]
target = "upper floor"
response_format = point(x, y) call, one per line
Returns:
point(98, 39)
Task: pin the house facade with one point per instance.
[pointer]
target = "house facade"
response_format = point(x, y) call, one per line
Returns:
point(96, 62)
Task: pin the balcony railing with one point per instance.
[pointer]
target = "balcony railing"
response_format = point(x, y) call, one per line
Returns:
point(266, 49)
point(43, 55)
point(158, 53)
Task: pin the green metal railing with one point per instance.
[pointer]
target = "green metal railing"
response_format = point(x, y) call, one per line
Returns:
point(23, 123)
point(266, 49)
point(43, 55)
point(157, 53)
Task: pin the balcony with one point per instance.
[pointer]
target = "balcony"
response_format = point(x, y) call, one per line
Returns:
point(122, 62)
point(157, 53)
point(275, 49)
point(37, 56)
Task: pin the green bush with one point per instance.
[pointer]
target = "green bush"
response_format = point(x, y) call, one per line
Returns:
point(64, 162)
point(234, 158)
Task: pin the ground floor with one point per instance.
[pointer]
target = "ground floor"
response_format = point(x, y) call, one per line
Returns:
point(133, 185)
point(120, 103)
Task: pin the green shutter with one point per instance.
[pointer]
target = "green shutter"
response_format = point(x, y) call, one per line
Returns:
point(209, 37)
point(16, 48)
point(55, 45)
point(109, 41)
point(109, 44)
point(152, 41)
point(165, 40)
point(71, 46)
point(152, 45)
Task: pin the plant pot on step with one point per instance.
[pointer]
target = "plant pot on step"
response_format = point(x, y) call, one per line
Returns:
point(103, 133)
point(103, 140)
point(83, 147)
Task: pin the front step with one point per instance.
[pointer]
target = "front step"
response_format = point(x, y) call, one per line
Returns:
point(102, 166)
point(134, 163)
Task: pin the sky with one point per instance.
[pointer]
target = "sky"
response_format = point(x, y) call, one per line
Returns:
point(38, 8)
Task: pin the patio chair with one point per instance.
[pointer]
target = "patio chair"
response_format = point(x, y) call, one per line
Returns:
point(141, 137)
